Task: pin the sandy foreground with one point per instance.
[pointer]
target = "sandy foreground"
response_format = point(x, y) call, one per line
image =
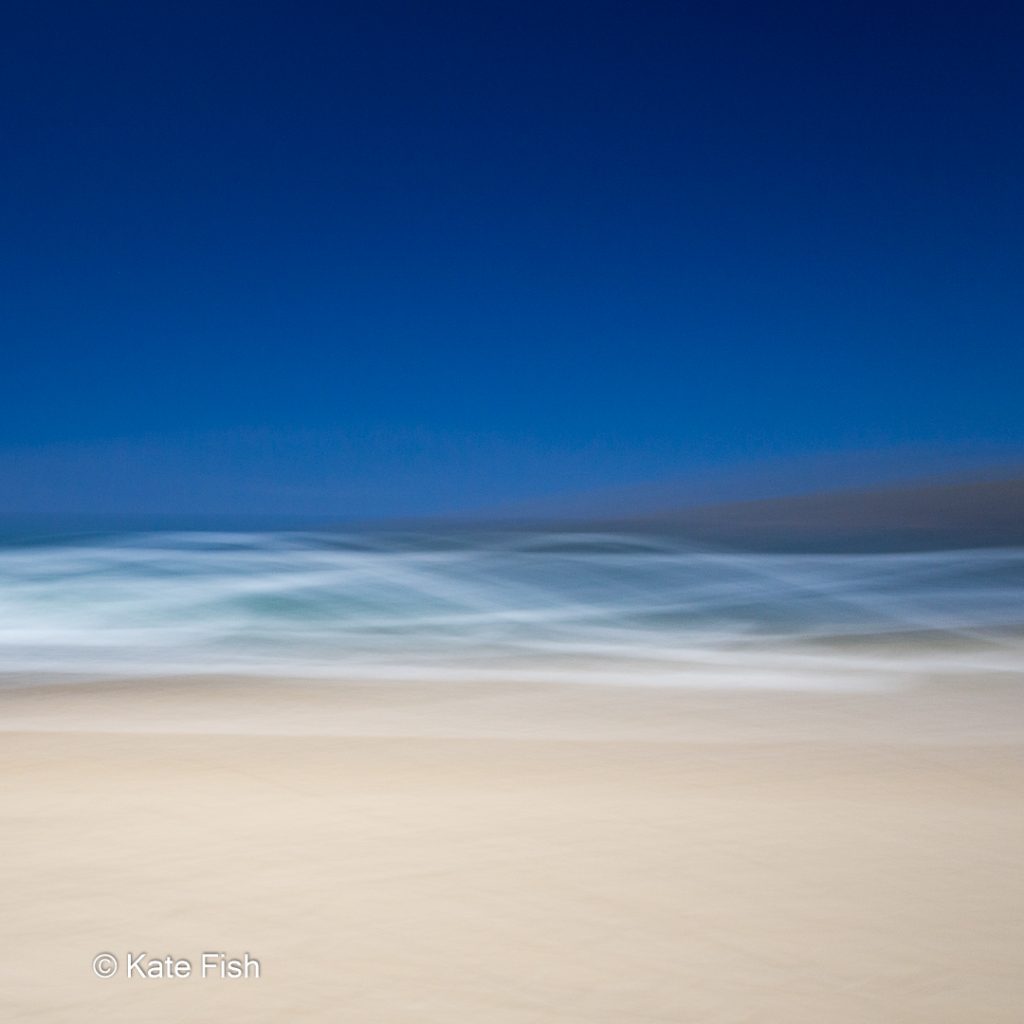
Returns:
point(432, 853)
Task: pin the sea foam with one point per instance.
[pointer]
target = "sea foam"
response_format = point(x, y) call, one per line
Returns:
point(575, 607)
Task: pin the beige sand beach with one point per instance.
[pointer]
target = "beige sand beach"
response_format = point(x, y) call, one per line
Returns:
point(449, 854)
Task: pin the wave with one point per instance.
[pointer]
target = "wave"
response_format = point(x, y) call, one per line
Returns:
point(618, 608)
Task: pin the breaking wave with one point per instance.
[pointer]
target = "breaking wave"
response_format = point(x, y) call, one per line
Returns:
point(526, 606)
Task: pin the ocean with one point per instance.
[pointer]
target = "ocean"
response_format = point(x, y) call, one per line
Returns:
point(528, 606)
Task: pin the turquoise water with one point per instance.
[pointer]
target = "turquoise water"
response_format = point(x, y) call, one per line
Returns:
point(532, 606)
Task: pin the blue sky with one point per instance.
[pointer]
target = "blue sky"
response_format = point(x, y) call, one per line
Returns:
point(389, 259)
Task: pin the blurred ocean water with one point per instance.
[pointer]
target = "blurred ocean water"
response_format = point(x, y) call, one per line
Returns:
point(613, 608)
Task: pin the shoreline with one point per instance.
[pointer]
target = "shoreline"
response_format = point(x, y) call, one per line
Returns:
point(951, 709)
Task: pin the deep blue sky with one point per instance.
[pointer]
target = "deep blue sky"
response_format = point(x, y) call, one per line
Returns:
point(404, 258)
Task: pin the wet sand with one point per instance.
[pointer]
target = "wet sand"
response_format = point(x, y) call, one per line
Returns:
point(437, 853)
